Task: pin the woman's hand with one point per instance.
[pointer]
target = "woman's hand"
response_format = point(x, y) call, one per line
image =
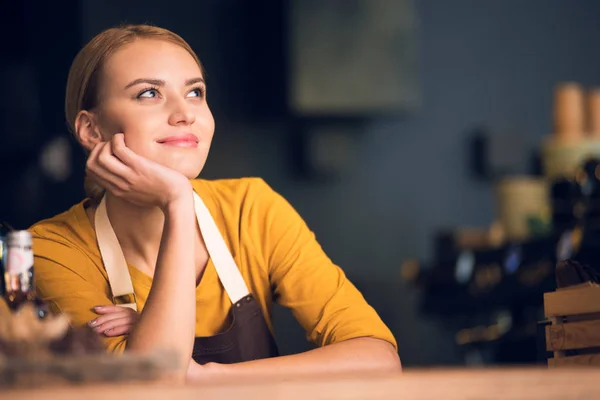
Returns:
point(136, 179)
point(114, 320)
point(197, 373)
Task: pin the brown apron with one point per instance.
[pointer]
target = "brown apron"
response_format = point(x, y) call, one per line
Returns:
point(247, 337)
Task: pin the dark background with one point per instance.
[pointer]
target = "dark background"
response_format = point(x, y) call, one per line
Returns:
point(481, 63)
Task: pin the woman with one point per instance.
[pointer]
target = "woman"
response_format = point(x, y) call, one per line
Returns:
point(155, 258)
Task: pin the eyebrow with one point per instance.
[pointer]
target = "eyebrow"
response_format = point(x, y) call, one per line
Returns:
point(160, 82)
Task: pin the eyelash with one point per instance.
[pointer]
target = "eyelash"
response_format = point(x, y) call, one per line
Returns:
point(144, 90)
point(201, 91)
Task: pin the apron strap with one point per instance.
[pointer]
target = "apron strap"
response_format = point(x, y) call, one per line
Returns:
point(118, 272)
point(225, 265)
point(113, 259)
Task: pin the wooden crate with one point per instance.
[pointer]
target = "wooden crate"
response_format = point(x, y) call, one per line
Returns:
point(574, 334)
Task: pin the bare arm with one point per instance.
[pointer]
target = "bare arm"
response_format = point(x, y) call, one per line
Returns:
point(335, 315)
point(168, 318)
point(169, 315)
point(354, 355)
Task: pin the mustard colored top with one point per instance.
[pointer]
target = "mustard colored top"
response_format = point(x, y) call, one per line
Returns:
point(275, 251)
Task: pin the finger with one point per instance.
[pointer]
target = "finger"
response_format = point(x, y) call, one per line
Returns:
point(107, 181)
point(91, 160)
point(104, 155)
point(112, 324)
point(107, 160)
point(109, 171)
point(107, 309)
point(97, 159)
point(118, 331)
point(122, 152)
point(111, 317)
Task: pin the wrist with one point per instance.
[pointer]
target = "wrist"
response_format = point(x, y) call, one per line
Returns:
point(183, 200)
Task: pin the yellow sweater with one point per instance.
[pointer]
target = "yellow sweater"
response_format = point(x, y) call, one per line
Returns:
point(275, 251)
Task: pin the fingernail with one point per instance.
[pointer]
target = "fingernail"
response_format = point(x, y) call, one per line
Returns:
point(93, 322)
point(99, 308)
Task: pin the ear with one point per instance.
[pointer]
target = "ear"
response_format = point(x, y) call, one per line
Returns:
point(87, 130)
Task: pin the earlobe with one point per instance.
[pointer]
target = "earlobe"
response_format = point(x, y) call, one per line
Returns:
point(86, 130)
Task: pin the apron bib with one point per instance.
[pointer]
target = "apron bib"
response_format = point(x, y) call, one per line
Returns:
point(248, 336)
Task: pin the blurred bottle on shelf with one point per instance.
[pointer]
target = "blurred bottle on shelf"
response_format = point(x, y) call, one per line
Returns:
point(19, 273)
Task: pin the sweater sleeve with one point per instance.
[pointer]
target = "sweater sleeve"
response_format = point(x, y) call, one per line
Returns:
point(71, 283)
point(327, 305)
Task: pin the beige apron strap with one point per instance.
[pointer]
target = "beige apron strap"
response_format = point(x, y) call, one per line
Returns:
point(118, 272)
point(228, 272)
point(113, 259)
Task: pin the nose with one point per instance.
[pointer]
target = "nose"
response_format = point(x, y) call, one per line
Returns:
point(181, 113)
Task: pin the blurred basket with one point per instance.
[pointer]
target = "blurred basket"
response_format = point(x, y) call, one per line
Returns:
point(560, 159)
point(523, 206)
point(574, 333)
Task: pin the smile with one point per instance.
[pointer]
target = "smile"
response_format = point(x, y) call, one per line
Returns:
point(188, 140)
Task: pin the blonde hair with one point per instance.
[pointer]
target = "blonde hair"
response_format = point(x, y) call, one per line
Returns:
point(84, 75)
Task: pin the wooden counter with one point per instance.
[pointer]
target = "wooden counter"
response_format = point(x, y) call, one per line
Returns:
point(521, 383)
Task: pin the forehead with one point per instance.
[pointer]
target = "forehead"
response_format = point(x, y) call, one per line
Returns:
point(152, 59)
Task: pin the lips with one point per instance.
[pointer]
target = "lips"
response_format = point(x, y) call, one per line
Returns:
point(185, 140)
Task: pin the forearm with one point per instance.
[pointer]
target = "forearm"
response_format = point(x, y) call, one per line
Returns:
point(168, 318)
point(354, 355)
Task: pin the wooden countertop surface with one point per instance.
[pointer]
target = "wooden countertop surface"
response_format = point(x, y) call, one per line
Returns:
point(447, 384)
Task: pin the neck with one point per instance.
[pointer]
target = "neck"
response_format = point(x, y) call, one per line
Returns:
point(139, 230)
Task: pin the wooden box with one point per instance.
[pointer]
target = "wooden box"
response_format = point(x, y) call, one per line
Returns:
point(574, 333)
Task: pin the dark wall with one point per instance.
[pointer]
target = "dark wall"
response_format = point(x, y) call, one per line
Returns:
point(492, 63)
point(38, 41)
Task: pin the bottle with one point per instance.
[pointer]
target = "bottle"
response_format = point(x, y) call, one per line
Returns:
point(4, 230)
point(3, 234)
point(19, 275)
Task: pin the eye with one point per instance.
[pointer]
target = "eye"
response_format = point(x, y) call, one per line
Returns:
point(148, 93)
point(197, 92)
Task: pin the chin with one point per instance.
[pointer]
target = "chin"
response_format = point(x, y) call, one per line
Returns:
point(190, 167)
point(192, 175)
point(189, 170)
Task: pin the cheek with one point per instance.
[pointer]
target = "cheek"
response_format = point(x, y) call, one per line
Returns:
point(138, 129)
point(207, 125)
point(139, 143)
point(116, 121)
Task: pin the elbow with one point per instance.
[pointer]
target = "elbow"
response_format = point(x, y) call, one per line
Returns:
point(382, 355)
point(389, 359)
point(395, 365)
